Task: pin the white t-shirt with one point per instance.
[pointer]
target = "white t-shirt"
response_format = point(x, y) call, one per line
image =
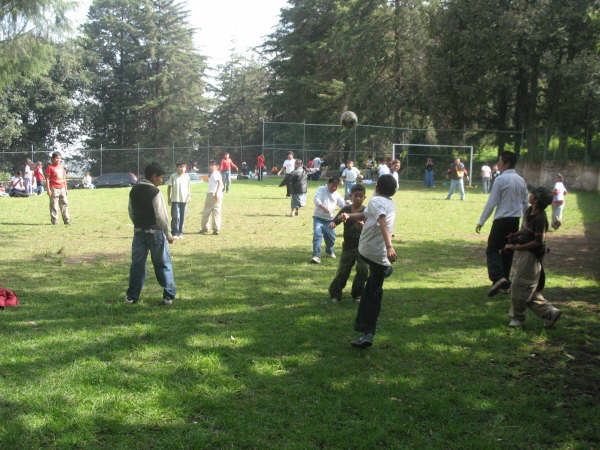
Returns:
point(27, 173)
point(329, 200)
point(180, 187)
point(559, 192)
point(395, 175)
point(383, 170)
point(317, 163)
point(86, 180)
point(289, 165)
point(350, 175)
point(17, 183)
point(486, 172)
point(371, 244)
point(213, 181)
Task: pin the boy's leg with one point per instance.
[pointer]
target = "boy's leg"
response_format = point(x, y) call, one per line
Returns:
point(525, 281)
point(341, 277)
point(317, 236)
point(329, 235)
point(174, 218)
point(54, 194)
point(370, 301)
point(540, 306)
point(161, 260)
point(452, 188)
point(461, 188)
point(499, 263)
point(137, 271)
point(360, 278)
point(64, 205)
point(182, 208)
point(216, 214)
point(208, 206)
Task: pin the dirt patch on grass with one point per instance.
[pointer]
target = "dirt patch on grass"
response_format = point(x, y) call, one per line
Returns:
point(94, 257)
point(576, 248)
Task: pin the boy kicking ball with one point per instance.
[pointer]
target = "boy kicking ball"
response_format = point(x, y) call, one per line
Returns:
point(375, 248)
point(148, 213)
point(352, 230)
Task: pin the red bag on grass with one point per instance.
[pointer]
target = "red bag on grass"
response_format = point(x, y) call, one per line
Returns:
point(7, 298)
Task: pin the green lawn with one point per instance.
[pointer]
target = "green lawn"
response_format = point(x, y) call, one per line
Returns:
point(252, 354)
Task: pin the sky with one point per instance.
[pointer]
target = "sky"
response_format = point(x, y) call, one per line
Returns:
point(222, 24)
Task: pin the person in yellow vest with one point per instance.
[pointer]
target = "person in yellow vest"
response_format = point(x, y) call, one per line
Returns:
point(457, 172)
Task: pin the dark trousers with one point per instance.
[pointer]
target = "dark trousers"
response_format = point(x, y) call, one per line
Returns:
point(260, 173)
point(347, 260)
point(499, 262)
point(177, 217)
point(370, 300)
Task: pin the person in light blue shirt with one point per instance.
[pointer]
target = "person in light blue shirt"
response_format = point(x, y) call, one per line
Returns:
point(509, 197)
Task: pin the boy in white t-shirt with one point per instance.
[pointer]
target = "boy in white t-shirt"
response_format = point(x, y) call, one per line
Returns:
point(375, 248)
point(350, 175)
point(486, 177)
point(179, 194)
point(214, 200)
point(558, 201)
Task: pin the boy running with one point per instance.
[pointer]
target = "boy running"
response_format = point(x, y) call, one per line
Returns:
point(148, 213)
point(350, 175)
point(297, 182)
point(326, 199)
point(352, 230)
point(179, 194)
point(558, 201)
point(375, 248)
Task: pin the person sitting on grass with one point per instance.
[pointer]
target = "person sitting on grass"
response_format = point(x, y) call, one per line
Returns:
point(375, 248)
point(326, 199)
point(352, 230)
point(528, 275)
point(148, 213)
point(297, 182)
point(17, 186)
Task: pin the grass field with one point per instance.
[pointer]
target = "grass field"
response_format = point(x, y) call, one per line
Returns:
point(252, 354)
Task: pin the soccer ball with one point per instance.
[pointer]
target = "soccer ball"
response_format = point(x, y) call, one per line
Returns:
point(349, 119)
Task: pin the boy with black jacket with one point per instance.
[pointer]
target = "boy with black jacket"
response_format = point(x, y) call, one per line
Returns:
point(297, 184)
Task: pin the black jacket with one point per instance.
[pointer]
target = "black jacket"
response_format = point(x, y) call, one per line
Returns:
point(296, 180)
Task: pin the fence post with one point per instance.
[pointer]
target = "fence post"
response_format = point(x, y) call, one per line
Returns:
point(173, 154)
point(32, 157)
point(208, 155)
point(304, 142)
point(100, 159)
point(138, 160)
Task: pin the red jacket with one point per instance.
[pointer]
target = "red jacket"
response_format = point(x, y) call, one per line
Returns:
point(227, 164)
point(7, 298)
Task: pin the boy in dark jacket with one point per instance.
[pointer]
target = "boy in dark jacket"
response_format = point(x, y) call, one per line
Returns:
point(352, 230)
point(148, 213)
point(297, 183)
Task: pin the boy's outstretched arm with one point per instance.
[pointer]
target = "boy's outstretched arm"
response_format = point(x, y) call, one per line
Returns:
point(387, 238)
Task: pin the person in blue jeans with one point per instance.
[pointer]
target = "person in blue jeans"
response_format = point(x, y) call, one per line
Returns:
point(429, 173)
point(326, 200)
point(457, 172)
point(148, 213)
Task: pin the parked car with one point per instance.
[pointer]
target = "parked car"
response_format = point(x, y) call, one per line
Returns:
point(195, 178)
point(120, 179)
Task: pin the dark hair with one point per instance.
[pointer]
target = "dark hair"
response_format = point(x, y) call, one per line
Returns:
point(542, 195)
point(153, 169)
point(510, 158)
point(386, 185)
point(179, 164)
point(18, 173)
point(357, 187)
point(55, 154)
point(290, 153)
point(298, 161)
point(212, 162)
point(335, 180)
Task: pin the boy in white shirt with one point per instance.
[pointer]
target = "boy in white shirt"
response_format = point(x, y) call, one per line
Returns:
point(558, 201)
point(214, 200)
point(349, 175)
point(486, 177)
point(326, 200)
point(375, 248)
point(179, 194)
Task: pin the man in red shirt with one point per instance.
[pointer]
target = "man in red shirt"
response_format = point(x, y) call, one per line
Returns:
point(226, 165)
point(56, 185)
point(260, 166)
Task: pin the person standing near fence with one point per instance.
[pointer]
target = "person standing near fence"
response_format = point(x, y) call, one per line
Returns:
point(28, 176)
point(214, 200)
point(429, 173)
point(289, 165)
point(260, 166)
point(486, 177)
point(179, 194)
point(509, 197)
point(558, 201)
point(56, 185)
point(457, 172)
point(226, 165)
point(38, 174)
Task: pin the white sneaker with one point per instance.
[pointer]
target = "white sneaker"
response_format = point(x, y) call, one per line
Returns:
point(167, 301)
point(515, 323)
point(331, 255)
point(292, 214)
point(315, 260)
point(335, 300)
point(129, 300)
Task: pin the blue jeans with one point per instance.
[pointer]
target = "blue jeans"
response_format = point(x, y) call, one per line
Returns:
point(177, 217)
point(349, 185)
point(40, 187)
point(461, 188)
point(226, 174)
point(156, 243)
point(321, 230)
point(429, 178)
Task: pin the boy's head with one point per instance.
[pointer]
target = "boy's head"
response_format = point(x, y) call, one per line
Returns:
point(559, 177)
point(396, 165)
point(350, 164)
point(541, 197)
point(290, 155)
point(212, 165)
point(332, 184)
point(39, 164)
point(56, 157)
point(357, 195)
point(386, 186)
point(226, 156)
point(180, 168)
point(298, 163)
point(508, 160)
point(154, 173)
point(18, 174)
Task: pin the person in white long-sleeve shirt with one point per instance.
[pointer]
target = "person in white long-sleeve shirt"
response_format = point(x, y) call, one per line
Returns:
point(509, 197)
point(326, 200)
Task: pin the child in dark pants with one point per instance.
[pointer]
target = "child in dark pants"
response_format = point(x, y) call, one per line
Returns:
point(375, 248)
point(352, 230)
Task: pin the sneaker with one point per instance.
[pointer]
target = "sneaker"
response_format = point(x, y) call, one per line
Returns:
point(331, 255)
point(292, 214)
point(502, 283)
point(203, 231)
point(68, 223)
point(514, 323)
point(366, 340)
point(215, 232)
point(335, 300)
point(357, 299)
point(167, 301)
point(315, 260)
point(296, 212)
point(554, 315)
point(129, 300)
point(180, 236)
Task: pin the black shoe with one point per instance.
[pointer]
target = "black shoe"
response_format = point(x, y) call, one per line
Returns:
point(502, 283)
point(388, 271)
point(366, 340)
